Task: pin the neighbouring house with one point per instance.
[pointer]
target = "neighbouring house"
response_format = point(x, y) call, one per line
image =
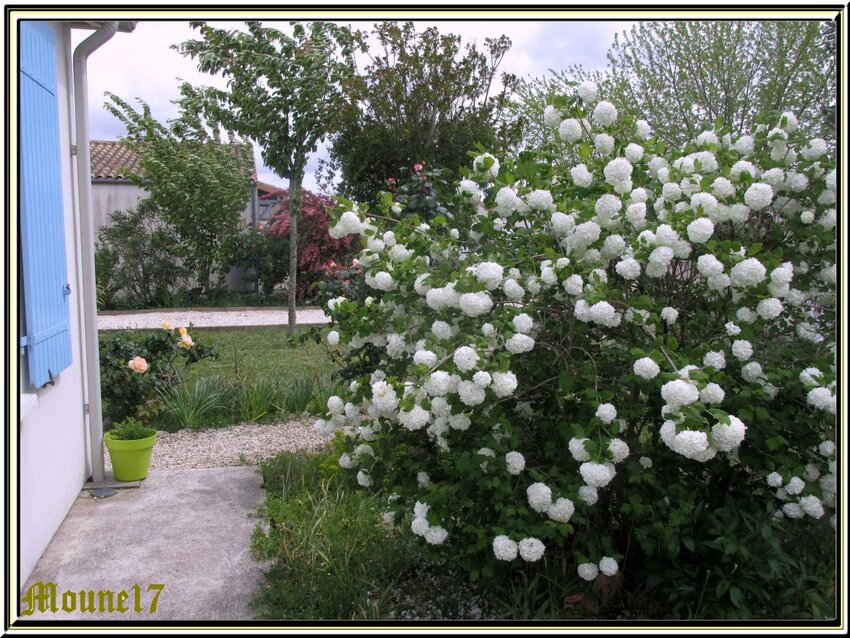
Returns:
point(112, 190)
point(57, 445)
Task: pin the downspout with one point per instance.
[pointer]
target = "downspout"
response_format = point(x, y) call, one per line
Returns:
point(81, 111)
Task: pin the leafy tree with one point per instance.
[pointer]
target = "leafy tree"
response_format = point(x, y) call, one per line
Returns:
point(284, 92)
point(198, 183)
point(420, 99)
point(684, 75)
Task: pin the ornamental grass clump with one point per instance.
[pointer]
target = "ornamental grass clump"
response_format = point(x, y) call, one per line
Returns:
point(569, 360)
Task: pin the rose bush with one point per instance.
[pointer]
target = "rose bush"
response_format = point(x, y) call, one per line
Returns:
point(627, 363)
point(134, 365)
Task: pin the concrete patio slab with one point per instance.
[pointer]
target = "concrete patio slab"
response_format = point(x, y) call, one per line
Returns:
point(187, 530)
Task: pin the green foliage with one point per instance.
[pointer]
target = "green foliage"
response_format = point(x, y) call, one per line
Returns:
point(265, 256)
point(420, 99)
point(196, 406)
point(257, 399)
point(198, 183)
point(130, 429)
point(136, 262)
point(127, 393)
point(331, 556)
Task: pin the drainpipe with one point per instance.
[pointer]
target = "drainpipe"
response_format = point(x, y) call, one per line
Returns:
point(81, 110)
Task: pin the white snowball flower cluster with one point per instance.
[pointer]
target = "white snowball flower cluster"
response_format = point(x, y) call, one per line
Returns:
point(679, 393)
point(587, 91)
point(618, 170)
point(596, 474)
point(747, 273)
point(822, 399)
point(604, 143)
point(604, 114)
point(758, 196)
point(551, 116)
point(576, 447)
point(479, 165)
point(417, 418)
point(475, 304)
point(515, 462)
point(742, 349)
point(727, 436)
point(606, 412)
point(619, 450)
point(519, 343)
point(540, 200)
point(489, 273)
point(561, 510)
point(570, 130)
point(349, 224)
point(523, 323)
point(470, 190)
point(504, 548)
point(692, 444)
point(700, 230)
point(531, 549)
point(608, 566)
point(504, 383)
point(539, 497)
point(646, 368)
point(465, 358)
point(588, 571)
point(669, 315)
point(581, 176)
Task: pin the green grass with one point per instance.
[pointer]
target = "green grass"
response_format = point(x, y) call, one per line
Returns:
point(333, 558)
point(261, 353)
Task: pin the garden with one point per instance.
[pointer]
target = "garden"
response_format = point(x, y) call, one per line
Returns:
point(585, 368)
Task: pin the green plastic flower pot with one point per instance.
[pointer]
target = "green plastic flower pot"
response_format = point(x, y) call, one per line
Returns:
point(130, 459)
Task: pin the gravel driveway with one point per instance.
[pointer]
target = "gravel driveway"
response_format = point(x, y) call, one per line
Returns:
point(209, 318)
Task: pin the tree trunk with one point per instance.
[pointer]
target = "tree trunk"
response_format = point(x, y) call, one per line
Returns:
point(294, 216)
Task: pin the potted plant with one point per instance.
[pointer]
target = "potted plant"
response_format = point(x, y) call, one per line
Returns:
point(130, 444)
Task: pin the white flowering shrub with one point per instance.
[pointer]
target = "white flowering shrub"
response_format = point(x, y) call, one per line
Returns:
point(632, 353)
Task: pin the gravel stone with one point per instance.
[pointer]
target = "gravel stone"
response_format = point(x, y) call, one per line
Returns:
point(244, 444)
point(209, 318)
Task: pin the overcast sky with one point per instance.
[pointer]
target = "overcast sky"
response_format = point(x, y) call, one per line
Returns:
point(142, 65)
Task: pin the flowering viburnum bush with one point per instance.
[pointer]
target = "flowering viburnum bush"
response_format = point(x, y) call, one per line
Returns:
point(624, 354)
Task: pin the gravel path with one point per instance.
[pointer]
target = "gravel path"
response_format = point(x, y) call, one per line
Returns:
point(235, 445)
point(209, 318)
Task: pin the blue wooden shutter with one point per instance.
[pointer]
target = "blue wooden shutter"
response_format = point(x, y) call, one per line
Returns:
point(42, 221)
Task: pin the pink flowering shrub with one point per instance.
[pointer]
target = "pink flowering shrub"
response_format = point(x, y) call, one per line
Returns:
point(624, 364)
point(320, 256)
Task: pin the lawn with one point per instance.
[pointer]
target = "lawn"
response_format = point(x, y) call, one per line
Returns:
point(255, 353)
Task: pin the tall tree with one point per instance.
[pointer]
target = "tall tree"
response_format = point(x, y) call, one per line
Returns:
point(681, 76)
point(199, 183)
point(283, 91)
point(421, 98)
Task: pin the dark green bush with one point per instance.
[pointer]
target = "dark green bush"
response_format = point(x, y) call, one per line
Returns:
point(137, 259)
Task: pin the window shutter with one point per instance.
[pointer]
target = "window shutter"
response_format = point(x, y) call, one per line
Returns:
point(41, 212)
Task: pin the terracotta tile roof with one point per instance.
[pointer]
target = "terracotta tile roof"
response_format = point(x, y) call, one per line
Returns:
point(109, 157)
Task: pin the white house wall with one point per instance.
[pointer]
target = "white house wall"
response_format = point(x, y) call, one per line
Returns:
point(51, 435)
point(109, 197)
